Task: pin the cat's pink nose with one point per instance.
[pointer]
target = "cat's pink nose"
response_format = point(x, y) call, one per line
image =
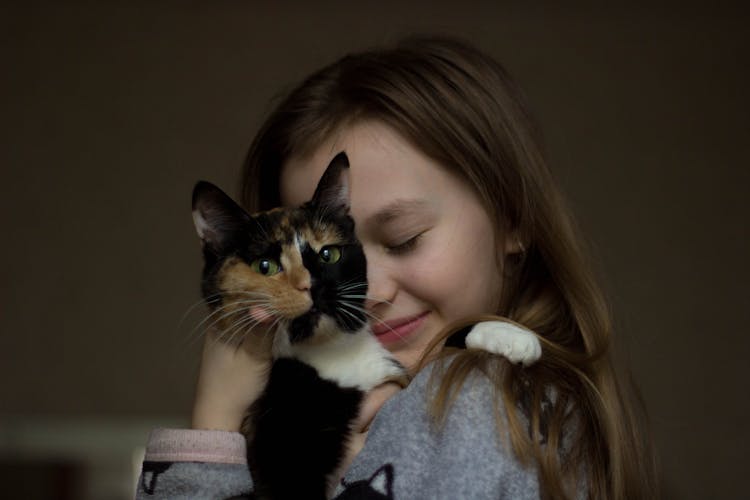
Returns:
point(302, 282)
point(304, 286)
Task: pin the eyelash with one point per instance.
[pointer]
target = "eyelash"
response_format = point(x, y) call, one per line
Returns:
point(404, 247)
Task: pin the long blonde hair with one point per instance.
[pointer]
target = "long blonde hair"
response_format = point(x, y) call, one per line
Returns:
point(570, 414)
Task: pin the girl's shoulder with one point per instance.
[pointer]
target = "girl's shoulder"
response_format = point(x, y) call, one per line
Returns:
point(409, 455)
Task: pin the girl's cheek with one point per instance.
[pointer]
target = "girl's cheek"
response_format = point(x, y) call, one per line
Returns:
point(430, 277)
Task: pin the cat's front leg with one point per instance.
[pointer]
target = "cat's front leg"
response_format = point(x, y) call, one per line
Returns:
point(507, 339)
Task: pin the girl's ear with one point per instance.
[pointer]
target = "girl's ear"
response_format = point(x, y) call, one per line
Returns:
point(332, 193)
point(218, 219)
point(512, 244)
point(514, 240)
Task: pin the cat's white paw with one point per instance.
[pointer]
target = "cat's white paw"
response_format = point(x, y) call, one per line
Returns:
point(499, 337)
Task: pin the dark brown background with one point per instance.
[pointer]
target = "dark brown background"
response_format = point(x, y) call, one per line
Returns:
point(112, 112)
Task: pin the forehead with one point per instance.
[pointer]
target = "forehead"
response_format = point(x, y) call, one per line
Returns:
point(384, 167)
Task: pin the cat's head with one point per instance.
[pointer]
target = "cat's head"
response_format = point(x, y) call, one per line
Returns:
point(301, 268)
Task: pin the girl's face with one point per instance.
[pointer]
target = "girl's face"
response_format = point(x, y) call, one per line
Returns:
point(432, 253)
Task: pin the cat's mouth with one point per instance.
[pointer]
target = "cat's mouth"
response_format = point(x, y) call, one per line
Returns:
point(261, 314)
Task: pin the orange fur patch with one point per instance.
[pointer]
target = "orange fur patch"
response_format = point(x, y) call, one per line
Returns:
point(244, 288)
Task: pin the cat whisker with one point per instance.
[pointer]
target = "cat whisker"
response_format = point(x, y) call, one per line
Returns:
point(360, 298)
point(216, 316)
point(271, 329)
point(243, 326)
point(353, 290)
point(219, 311)
point(351, 284)
point(215, 296)
point(244, 318)
point(242, 329)
point(250, 293)
point(212, 311)
point(379, 300)
point(277, 324)
point(343, 293)
point(354, 306)
point(351, 315)
point(239, 327)
point(366, 297)
point(366, 313)
point(217, 333)
point(196, 304)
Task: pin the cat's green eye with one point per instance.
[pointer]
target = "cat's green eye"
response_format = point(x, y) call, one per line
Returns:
point(265, 266)
point(330, 254)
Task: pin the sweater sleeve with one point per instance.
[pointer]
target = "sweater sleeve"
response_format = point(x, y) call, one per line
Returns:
point(406, 456)
point(182, 463)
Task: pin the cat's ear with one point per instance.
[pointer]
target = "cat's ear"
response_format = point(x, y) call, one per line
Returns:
point(382, 481)
point(332, 193)
point(216, 216)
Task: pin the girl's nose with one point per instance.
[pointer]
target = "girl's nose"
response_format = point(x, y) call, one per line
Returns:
point(382, 286)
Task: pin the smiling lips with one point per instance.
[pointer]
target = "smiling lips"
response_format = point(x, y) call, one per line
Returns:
point(398, 329)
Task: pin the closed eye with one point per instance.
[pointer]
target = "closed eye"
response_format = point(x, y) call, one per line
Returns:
point(404, 247)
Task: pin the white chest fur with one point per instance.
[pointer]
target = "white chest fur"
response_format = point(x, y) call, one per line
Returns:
point(348, 359)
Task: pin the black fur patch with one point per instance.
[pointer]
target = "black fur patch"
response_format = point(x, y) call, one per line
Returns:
point(300, 431)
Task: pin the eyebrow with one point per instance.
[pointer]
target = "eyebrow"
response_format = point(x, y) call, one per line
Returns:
point(397, 209)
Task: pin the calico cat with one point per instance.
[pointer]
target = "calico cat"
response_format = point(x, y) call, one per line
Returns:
point(300, 275)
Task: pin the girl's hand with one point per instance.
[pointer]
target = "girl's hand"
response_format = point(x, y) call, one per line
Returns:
point(231, 378)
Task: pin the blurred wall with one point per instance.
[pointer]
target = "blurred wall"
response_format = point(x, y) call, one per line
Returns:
point(112, 111)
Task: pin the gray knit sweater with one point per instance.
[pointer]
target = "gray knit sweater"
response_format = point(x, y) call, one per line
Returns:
point(405, 456)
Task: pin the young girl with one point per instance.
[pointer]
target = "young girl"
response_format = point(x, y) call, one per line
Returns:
point(459, 217)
